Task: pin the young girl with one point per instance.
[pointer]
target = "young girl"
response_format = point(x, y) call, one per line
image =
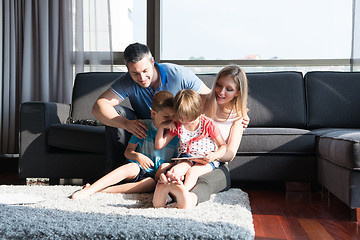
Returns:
point(199, 138)
point(227, 106)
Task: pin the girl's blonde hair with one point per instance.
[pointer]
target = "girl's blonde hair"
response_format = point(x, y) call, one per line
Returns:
point(187, 105)
point(239, 102)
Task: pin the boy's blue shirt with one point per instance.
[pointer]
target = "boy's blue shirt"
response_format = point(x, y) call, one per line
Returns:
point(147, 147)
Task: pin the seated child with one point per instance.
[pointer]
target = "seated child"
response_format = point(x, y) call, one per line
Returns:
point(144, 160)
point(200, 139)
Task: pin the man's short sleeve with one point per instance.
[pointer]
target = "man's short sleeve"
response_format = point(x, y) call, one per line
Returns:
point(140, 98)
point(191, 80)
point(123, 86)
point(180, 77)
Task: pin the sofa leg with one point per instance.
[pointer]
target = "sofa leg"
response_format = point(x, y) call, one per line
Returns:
point(355, 214)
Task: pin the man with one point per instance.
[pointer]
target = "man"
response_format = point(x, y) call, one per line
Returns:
point(143, 80)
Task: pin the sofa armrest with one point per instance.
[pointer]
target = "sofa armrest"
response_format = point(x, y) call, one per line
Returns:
point(35, 119)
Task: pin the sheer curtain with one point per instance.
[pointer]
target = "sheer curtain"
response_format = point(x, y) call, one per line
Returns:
point(355, 50)
point(92, 36)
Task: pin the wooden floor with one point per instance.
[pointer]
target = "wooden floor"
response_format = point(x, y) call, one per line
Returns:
point(300, 215)
point(277, 214)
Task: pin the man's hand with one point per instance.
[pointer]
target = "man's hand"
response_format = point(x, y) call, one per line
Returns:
point(136, 127)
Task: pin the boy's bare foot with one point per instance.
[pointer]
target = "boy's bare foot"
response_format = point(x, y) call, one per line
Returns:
point(82, 193)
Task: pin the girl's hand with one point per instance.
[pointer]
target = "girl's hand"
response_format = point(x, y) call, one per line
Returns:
point(210, 157)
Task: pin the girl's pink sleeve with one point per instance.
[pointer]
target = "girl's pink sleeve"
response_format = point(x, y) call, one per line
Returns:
point(214, 130)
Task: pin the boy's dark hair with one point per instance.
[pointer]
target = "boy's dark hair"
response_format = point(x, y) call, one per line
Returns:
point(135, 52)
point(161, 100)
point(187, 105)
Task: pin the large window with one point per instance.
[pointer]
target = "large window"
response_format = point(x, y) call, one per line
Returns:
point(256, 29)
point(257, 34)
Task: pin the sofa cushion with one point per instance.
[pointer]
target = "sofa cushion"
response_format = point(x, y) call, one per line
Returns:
point(208, 79)
point(333, 99)
point(77, 137)
point(322, 131)
point(299, 168)
point(258, 141)
point(87, 88)
point(276, 99)
point(341, 147)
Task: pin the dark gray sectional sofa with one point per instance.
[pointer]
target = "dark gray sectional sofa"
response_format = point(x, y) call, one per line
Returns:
point(302, 129)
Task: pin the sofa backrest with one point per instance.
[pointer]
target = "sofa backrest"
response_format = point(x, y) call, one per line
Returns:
point(87, 88)
point(276, 99)
point(208, 79)
point(333, 99)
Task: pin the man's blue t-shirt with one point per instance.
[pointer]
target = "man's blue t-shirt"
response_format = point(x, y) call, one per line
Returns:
point(147, 147)
point(173, 79)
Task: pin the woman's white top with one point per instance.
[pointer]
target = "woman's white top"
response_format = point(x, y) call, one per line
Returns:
point(225, 126)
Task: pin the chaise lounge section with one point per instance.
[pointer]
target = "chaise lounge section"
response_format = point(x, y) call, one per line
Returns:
point(334, 117)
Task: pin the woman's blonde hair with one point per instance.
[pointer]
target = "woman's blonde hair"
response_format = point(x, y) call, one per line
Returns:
point(187, 105)
point(239, 102)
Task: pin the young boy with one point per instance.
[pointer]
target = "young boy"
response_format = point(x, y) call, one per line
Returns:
point(144, 164)
point(200, 139)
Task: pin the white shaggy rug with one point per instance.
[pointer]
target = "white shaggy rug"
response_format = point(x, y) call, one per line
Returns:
point(226, 215)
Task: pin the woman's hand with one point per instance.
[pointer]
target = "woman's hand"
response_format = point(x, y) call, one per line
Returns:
point(245, 120)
